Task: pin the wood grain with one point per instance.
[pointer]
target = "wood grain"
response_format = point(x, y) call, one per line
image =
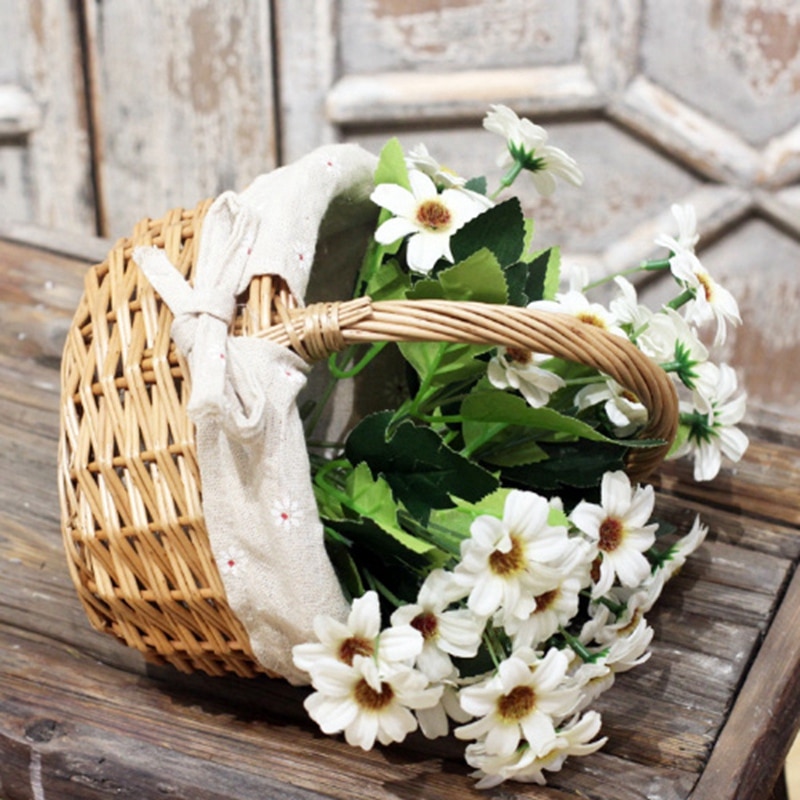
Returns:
point(83, 717)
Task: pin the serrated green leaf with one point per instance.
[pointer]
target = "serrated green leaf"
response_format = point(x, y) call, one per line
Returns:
point(439, 364)
point(552, 271)
point(477, 185)
point(578, 464)
point(495, 405)
point(421, 469)
point(463, 514)
point(511, 447)
point(388, 282)
point(478, 277)
point(500, 228)
point(392, 165)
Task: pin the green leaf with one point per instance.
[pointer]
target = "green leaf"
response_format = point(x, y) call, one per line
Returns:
point(552, 270)
point(477, 185)
point(439, 364)
point(495, 405)
point(388, 282)
point(578, 464)
point(534, 279)
point(421, 469)
point(460, 517)
point(511, 447)
point(392, 165)
point(478, 277)
point(501, 229)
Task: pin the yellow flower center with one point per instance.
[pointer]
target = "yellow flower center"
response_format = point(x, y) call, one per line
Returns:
point(517, 704)
point(354, 646)
point(519, 355)
point(611, 531)
point(433, 215)
point(545, 600)
point(591, 319)
point(708, 286)
point(368, 698)
point(427, 624)
point(510, 563)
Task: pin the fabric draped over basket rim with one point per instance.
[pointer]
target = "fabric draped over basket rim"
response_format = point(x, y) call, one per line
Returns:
point(131, 552)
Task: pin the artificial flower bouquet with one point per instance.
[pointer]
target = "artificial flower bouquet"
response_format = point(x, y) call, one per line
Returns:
point(499, 560)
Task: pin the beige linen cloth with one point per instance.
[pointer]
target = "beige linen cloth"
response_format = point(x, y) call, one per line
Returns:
point(258, 500)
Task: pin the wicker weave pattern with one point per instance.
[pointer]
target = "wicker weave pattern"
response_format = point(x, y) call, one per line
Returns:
point(132, 520)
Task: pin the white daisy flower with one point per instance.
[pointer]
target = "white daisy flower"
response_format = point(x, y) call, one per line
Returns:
point(361, 635)
point(677, 554)
point(517, 368)
point(628, 647)
point(428, 217)
point(557, 607)
point(434, 722)
point(527, 146)
point(626, 309)
point(687, 237)
point(714, 434)
point(579, 306)
point(524, 700)
point(445, 633)
point(506, 563)
point(711, 301)
point(367, 702)
point(574, 738)
point(619, 527)
point(621, 406)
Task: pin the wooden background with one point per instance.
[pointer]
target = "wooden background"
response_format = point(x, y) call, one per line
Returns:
point(113, 110)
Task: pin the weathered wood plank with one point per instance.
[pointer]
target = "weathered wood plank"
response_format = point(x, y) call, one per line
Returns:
point(763, 485)
point(46, 171)
point(384, 97)
point(196, 117)
point(747, 758)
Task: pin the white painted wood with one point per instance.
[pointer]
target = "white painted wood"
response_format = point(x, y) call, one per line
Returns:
point(306, 69)
point(185, 103)
point(45, 171)
point(685, 132)
point(19, 113)
point(466, 94)
point(610, 46)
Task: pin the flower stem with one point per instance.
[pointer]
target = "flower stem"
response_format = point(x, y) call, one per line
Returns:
point(342, 374)
point(683, 298)
point(577, 646)
point(645, 266)
point(508, 178)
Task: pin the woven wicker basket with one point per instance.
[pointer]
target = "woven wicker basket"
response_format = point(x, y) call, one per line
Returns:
point(135, 537)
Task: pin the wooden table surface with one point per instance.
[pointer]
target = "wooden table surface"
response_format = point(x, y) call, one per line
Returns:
point(710, 716)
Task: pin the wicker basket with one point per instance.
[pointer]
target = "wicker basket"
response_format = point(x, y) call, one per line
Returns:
point(135, 537)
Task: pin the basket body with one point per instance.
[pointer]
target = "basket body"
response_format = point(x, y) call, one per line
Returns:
point(136, 540)
point(132, 520)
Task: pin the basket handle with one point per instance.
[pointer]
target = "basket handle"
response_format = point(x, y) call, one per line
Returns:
point(318, 330)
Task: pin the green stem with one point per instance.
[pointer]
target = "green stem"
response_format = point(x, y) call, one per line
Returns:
point(438, 535)
point(646, 266)
point(489, 434)
point(382, 590)
point(577, 646)
point(342, 374)
point(509, 178)
point(683, 298)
